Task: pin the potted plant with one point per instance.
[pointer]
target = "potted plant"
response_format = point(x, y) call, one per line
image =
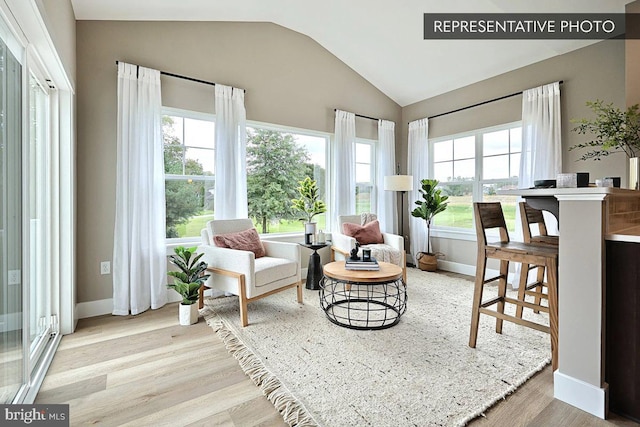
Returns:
point(310, 205)
point(187, 281)
point(432, 203)
point(613, 131)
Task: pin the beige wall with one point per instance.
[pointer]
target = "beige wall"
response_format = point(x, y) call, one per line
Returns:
point(61, 24)
point(594, 72)
point(290, 80)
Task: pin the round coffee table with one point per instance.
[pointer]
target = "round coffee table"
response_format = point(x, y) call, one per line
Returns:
point(363, 300)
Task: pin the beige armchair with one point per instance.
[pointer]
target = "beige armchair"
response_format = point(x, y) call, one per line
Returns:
point(392, 250)
point(241, 273)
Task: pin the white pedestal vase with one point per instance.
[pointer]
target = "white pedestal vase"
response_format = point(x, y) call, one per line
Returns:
point(309, 232)
point(188, 314)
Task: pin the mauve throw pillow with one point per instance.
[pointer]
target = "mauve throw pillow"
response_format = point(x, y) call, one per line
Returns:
point(247, 240)
point(364, 234)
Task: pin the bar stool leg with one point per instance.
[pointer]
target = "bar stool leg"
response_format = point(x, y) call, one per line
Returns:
point(539, 288)
point(552, 287)
point(477, 299)
point(522, 287)
point(502, 292)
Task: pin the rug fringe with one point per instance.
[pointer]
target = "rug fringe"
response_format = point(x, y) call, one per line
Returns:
point(481, 410)
point(292, 410)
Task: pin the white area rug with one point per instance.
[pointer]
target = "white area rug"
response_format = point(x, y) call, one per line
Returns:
point(420, 372)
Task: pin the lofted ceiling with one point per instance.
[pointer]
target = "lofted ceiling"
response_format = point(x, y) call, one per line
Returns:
point(380, 39)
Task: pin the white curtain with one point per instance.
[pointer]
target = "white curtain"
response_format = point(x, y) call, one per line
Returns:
point(230, 198)
point(541, 145)
point(541, 156)
point(139, 254)
point(343, 194)
point(418, 166)
point(387, 206)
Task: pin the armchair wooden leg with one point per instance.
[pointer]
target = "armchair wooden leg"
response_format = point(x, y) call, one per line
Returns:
point(243, 301)
point(201, 297)
point(299, 288)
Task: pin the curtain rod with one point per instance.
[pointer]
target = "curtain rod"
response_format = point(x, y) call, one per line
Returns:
point(361, 116)
point(191, 79)
point(480, 103)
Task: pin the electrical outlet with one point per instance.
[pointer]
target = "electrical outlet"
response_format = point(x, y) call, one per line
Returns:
point(14, 277)
point(105, 267)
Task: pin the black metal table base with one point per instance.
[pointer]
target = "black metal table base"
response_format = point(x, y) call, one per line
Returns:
point(363, 306)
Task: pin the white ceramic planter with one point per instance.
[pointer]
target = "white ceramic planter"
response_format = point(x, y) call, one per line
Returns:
point(188, 314)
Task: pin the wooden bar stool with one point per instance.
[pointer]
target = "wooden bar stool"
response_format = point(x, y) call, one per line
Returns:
point(533, 217)
point(490, 216)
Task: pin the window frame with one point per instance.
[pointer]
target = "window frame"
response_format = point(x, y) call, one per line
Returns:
point(373, 171)
point(478, 182)
point(179, 112)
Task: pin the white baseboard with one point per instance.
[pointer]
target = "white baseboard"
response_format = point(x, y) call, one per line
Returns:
point(105, 306)
point(94, 308)
point(580, 394)
point(469, 270)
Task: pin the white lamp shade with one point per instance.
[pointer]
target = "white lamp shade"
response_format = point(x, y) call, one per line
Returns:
point(398, 183)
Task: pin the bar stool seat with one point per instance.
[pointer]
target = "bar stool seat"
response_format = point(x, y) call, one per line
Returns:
point(490, 216)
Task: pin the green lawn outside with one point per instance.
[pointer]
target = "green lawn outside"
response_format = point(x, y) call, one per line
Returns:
point(459, 212)
point(197, 223)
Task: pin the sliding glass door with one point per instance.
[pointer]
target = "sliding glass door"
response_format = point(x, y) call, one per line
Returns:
point(12, 354)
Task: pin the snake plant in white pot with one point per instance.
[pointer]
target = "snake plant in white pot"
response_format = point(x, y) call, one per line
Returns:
point(187, 281)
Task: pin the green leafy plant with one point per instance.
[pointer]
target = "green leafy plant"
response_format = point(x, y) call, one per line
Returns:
point(613, 130)
point(309, 202)
point(433, 202)
point(188, 280)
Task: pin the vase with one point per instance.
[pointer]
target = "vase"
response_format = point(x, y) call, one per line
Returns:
point(634, 173)
point(309, 232)
point(188, 314)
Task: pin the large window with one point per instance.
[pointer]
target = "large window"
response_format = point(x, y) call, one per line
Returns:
point(189, 162)
point(365, 176)
point(277, 160)
point(472, 167)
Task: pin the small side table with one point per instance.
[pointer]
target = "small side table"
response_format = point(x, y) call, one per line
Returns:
point(314, 271)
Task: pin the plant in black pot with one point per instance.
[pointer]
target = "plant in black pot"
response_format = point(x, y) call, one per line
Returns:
point(187, 281)
point(433, 202)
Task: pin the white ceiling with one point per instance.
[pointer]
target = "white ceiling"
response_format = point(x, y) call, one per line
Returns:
point(379, 39)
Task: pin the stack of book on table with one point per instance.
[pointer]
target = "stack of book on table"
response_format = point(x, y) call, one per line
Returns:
point(371, 265)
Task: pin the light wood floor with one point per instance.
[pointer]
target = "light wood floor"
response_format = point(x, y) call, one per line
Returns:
point(149, 371)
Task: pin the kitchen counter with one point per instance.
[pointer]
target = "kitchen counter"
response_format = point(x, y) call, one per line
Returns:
point(587, 218)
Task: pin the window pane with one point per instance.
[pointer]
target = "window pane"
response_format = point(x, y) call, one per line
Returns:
point(276, 162)
point(363, 173)
point(495, 167)
point(363, 153)
point(508, 202)
point(199, 133)
point(495, 142)
point(459, 212)
point(464, 148)
point(516, 139)
point(363, 198)
point(189, 205)
point(515, 165)
point(199, 161)
point(443, 171)
point(464, 169)
point(442, 151)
